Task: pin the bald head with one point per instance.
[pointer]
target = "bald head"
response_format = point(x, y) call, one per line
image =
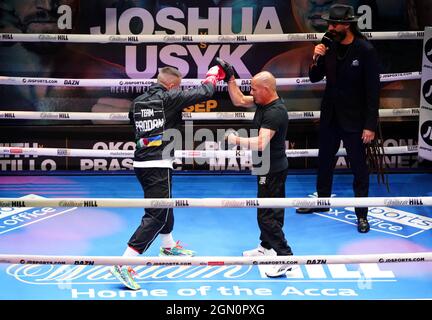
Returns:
point(265, 79)
point(263, 88)
point(169, 77)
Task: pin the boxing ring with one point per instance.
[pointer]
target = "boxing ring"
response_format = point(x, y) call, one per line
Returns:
point(60, 233)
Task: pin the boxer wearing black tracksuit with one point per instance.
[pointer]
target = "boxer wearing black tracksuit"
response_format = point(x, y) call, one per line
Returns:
point(152, 114)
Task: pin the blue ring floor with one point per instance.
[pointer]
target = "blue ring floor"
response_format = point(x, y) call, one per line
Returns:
point(212, 232)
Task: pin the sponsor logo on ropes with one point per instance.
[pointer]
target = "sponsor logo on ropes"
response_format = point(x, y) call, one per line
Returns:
point(15, 204)
point(73, 82)
point(7, 37)
point(39, 81)
point(7, 115)
point(172, 38)
point(322, 202)
point(395, 75)
point(393, 260)
point(70, 203)
point(265, 262)
point(175, 263)
point(308, 114)
point(233, 203)
point(122, 154)
point(84, 262)
point(303, 80)
point(304, 203)
point(48, 115)
point(408, 202)
point(63, 152)
point(161, 203)
point(252, 203)
point(117, 39)
point(62, 37)
point(311, 36)
point(298, 37)
point(317, 261)
point(384, 219)
point(402, 112)
point(135, 83)
point(412, 35)
point(90, 203)
point(227, 38)
point(181, 203)
point(298, 152)
point(47, 37)
point(41, 262)
point(16, 151)
point(118, 116)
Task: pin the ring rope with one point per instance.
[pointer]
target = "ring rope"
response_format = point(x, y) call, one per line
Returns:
point(217, 260)
point(187, 154)
point(216, 202)
point(123, 116)
point(244, 38)
point(24, 81)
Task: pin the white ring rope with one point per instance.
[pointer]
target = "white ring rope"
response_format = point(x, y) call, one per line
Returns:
point(217, 260)
point(37, 115)
point(216, 202)
point(164, 39)
point(292, 115)
point(123, 116)
point(187, 154)
point(24, 81)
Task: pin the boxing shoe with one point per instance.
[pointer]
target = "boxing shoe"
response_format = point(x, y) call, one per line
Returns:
point(177, 250)
point(125, 274)
point(363, 225)
point(279, 271)
point(311, 210)
point(259, 251)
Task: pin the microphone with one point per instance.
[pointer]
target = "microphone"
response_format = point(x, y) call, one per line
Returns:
point(327, 41)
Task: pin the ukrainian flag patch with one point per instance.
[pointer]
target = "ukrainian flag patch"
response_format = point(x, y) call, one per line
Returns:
point(154, 141)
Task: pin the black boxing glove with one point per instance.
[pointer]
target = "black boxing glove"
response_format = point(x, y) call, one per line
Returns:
point(229, 71)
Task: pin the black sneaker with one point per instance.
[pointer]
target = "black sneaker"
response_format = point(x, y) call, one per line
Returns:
point(311, 210)
point(363, 225)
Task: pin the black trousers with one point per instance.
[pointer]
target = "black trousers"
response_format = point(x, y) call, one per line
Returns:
point(329, 142)
point(271, 220)
point(156, 183)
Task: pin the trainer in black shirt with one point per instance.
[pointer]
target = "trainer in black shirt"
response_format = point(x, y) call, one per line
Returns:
point(271, 120)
